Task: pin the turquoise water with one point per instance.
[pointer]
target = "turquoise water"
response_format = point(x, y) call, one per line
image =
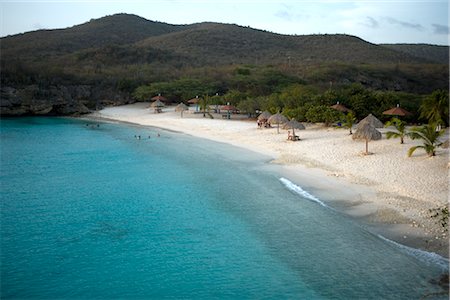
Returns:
point(91, 212)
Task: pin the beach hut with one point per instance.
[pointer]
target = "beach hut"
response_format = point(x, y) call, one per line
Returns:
point(277, 119)
point(265, 115)
point(195, 101)
point(397, 111)
point(366, 131)
point(159, 98)
point(372, 120)
point(181, 108)
point(229, 109)
point(340, 107)
point(157, 105)
point(262, 119)
point(293, 124)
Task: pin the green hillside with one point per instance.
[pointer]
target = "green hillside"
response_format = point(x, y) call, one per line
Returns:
point(432, 53)
point(112, 60)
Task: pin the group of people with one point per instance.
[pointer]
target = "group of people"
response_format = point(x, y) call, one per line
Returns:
point(292, 137)
point(138, 137)
point(263, 123)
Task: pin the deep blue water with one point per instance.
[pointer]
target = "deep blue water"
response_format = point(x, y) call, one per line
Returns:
point(91, 212)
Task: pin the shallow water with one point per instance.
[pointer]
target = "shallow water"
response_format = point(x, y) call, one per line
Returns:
point(92, 212)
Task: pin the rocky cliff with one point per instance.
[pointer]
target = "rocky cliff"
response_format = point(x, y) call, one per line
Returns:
point(57, 100)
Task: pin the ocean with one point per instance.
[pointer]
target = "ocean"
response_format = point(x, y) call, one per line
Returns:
point(90, 211)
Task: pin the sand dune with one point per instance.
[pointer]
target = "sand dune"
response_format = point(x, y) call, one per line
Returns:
point(386, 189)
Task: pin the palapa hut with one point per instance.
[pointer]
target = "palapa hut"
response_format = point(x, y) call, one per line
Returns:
point(365, 131)
point(157, 106)
point(372, 120)
point(397, 111)
point(159, 98)
point(229, 109)
point(195, 101)
point(293, 124)
point(263, 118)
point(340, 107)
point(181, 107)
point(277, 119)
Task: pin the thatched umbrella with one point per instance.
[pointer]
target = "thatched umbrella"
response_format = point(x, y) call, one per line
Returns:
point(181, 107)
point(262, 119)
point(264, 116)
point(340, 107)
point(372, 121)
point(397, 111)
point(157, 106)
point(293, 124)
point(277, 119)
point(229, 109)
point(365, 131)
point(159, 98)
point(195, 101)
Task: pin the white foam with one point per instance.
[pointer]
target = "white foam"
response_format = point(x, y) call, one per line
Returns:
point(424, 256)
point(298, 190)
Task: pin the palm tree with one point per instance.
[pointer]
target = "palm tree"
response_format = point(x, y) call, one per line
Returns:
point(349, 121)
point(401, 129)
point(430, 138)
point(435, 108)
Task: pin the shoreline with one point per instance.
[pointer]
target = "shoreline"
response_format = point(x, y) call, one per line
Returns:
point(378, 207)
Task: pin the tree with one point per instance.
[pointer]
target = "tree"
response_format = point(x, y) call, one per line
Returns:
point(435, 108)
point(322, 113)
point(401, 129)
point(430, 138)
point(349, 121)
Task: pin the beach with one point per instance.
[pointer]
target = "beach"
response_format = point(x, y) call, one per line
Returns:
point(386, 191)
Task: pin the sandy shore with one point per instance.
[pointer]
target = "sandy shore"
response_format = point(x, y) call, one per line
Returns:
point(386, 191)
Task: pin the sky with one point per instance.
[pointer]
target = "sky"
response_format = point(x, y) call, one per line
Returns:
point(376, 21)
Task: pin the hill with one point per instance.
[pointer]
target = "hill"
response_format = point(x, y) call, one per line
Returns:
point(120, 29)
point(432, 53)
point(103, 61)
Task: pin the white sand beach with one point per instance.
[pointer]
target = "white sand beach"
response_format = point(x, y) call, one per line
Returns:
point(386, 191)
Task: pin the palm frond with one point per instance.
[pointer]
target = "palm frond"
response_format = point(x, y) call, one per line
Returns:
point(392, 134)
point(412, 149)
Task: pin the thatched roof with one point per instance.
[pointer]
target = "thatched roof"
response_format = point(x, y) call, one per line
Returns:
point(365, 131)
point(157, 103)
point(372, 120)
point(181, 107)
point(159, 98)
point(277, 119)
point(340, 107)
point(194, 100)
point(397, 111)
point(228, 107)
point(293, 124)
point(265, 115)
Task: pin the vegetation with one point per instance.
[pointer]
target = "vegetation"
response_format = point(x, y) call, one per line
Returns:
point(252, 69)
point(435, 108)
point(400, 126)
point(442, 215)
point(430, 137)
point(349, 121)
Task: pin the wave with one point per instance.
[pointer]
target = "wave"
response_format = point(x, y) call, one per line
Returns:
point(298, 190)
point(430, 258)
point(422, 255)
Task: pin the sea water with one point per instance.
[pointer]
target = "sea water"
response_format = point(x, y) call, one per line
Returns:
point(94, 212)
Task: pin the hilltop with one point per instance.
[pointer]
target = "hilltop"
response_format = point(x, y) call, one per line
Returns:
point(103, 61)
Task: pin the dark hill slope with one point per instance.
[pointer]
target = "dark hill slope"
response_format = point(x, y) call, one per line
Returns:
point(213, 43)
point(120, 29)
point(432, 53)
point(103, 61)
